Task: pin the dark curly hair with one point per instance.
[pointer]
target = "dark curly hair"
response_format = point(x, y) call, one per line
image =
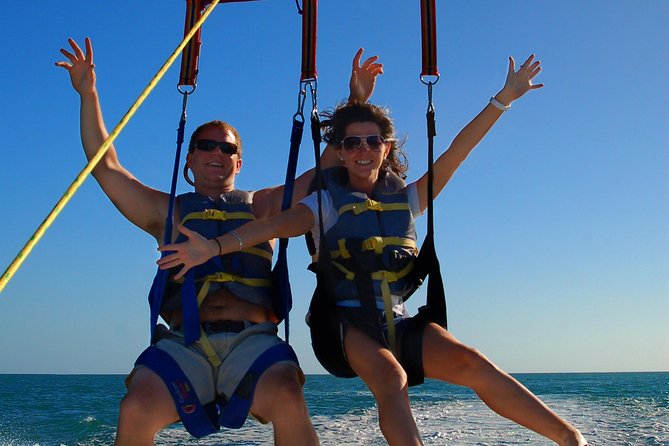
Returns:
point(334, 129)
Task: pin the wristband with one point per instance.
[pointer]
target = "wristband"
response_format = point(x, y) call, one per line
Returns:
point(498, 105)
point(220, 248)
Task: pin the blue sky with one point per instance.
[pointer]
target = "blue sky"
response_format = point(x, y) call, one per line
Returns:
point(553, 236)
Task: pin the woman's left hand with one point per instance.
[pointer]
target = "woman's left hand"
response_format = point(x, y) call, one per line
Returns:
point(519, 82)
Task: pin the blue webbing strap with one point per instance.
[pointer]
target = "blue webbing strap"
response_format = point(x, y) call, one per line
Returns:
point(235, 411)
point(160, 280)
point(280, 271)
point(198, 420)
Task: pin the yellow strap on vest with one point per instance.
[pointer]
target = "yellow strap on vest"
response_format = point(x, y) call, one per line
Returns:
point(215, 214)
point(225, 277)
point(373, 205)
point(391, 276)
point(388, 276)
point(375, 244)
point(342, 251)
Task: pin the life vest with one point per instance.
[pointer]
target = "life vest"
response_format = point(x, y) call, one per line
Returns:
point(246, 273)
point(373, 244)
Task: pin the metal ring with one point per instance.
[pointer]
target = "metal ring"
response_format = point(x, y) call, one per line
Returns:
point(422, 79)
point(185, 92)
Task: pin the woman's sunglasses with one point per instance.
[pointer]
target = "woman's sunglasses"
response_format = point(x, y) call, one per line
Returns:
point(207, 145)
point(373, 142)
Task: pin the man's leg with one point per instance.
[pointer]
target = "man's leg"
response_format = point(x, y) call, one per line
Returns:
point(146, 408)
point(278, 398)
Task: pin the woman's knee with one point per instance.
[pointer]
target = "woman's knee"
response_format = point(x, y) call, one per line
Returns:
point(385, 377)
point(447, 358)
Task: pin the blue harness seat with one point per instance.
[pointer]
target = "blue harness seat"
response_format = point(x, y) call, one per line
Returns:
point(201, 420)
point(247, 274)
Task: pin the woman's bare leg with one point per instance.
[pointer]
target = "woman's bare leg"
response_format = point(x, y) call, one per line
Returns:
point(446, 359)
point(386, 379)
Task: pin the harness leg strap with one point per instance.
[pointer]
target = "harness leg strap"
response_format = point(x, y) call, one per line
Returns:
point(235, 411)
point(199, 420)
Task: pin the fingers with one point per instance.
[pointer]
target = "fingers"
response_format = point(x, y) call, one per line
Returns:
point(369, 65)
point(72, 58)
point(181, 273)
point(78, 54)
point(89, 50)
point(169, 260)
point(76, 48)
point(368, 62)
point(185, 231)
point(512, 66)
point(528, 61)
point(356, 59)
point(531, 66)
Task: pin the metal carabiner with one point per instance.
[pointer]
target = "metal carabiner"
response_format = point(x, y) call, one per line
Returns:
point(301, 99)
point(430, 105)
point(312, 85)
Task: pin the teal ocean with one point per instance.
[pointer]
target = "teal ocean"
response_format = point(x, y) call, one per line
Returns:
point(609, 408)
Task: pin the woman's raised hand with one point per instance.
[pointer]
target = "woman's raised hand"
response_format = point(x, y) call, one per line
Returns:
point(363, 77)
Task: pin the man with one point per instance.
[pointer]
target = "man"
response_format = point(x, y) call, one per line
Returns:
point(237, 323)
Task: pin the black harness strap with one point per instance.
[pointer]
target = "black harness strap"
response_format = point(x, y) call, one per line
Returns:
point(427, 263)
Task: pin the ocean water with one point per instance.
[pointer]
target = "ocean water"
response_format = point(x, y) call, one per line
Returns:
point(609, 408)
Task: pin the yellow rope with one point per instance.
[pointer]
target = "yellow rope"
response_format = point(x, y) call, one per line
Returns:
point(78, 181)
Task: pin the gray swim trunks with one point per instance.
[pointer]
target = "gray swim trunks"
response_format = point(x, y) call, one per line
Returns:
point(237, 352)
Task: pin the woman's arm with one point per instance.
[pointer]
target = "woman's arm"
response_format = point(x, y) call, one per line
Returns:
point(267, 202)
point(516, 85)
point(197, 249)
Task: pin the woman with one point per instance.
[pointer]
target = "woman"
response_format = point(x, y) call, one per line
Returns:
point(359, 324)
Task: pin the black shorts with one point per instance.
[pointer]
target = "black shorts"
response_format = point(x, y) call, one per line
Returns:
point(328, 328)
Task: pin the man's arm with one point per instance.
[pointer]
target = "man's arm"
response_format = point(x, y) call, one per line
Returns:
point(267, 202)
point(142, 205)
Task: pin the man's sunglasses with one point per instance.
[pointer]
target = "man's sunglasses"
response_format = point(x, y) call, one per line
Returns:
point(374, 142)
point(207, 145)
